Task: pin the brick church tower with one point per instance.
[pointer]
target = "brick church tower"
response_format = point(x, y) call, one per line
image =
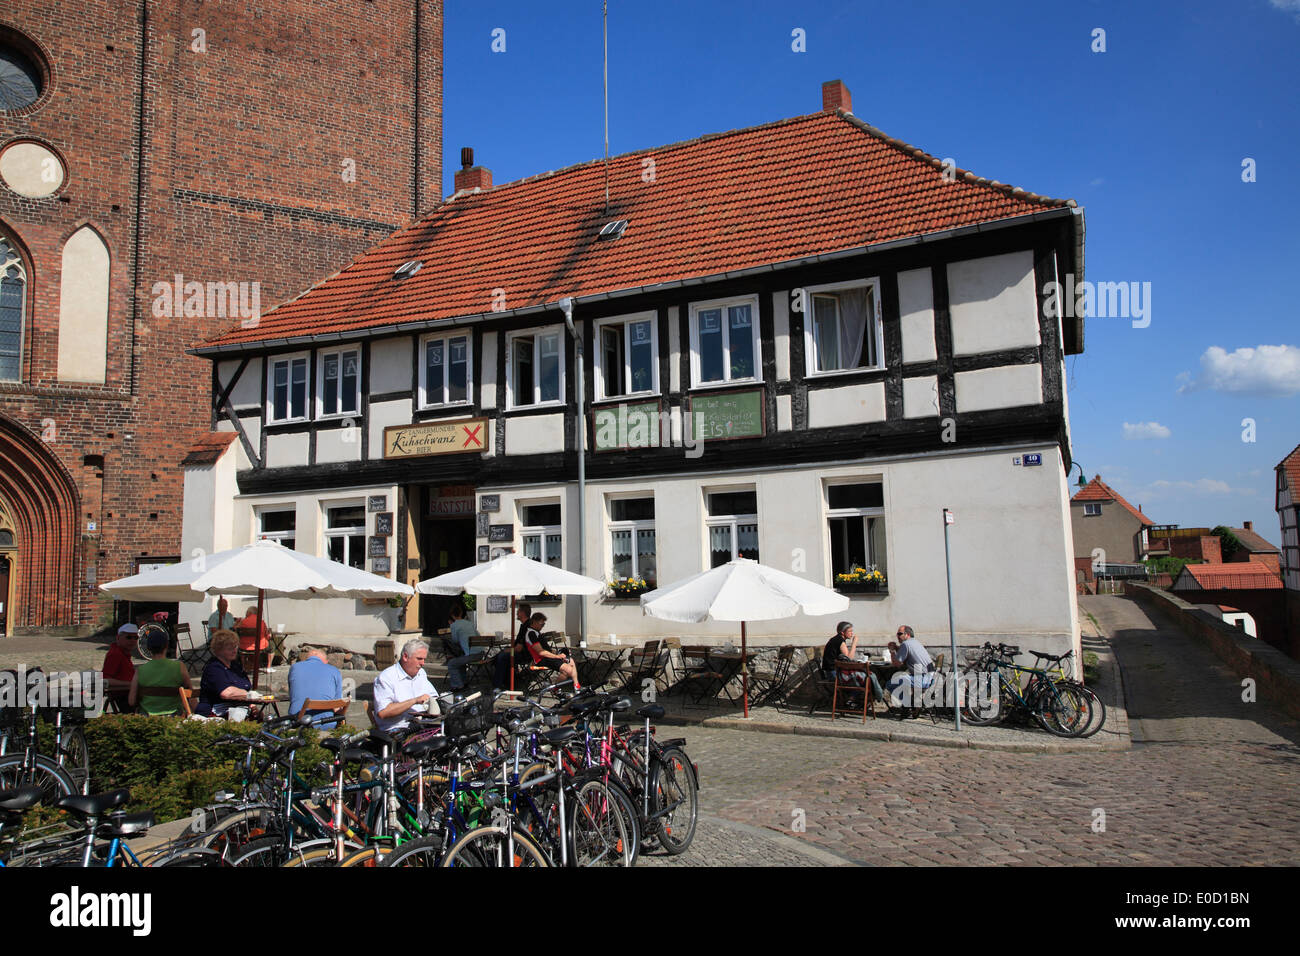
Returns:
point(168, 169)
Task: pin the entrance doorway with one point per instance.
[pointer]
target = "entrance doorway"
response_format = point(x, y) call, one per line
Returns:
point(4, 594)
point(446, 544)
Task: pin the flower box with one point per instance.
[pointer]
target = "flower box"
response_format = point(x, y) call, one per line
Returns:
point(861, 587)
point(627, 594)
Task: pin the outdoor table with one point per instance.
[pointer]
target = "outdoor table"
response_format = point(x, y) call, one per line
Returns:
point(727, 663)
point(601, 660)
point(266, 700)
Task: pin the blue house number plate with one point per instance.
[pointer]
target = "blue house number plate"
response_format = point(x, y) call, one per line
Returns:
point(1033, 460)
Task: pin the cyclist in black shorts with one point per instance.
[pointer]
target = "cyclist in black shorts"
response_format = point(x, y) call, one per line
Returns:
point(540, 651)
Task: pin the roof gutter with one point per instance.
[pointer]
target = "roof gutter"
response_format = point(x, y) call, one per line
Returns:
point(262, 345)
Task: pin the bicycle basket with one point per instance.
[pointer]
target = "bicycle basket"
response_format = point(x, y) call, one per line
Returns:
point(467, 721)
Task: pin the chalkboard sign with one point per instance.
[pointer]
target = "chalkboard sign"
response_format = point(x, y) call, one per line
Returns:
point(481, 522)
point(489, 503)
point(727, 416)
point(498, 604)
point(501, 532)
point(378, 546)
point(377, 503)
point(484, 554)
point(384, 523)
point(627, 426)
point(380, 565)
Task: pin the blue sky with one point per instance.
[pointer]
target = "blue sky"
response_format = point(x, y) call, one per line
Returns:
point(1148, 136)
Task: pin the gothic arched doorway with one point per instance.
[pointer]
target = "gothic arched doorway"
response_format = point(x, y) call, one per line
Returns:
point(39, 505)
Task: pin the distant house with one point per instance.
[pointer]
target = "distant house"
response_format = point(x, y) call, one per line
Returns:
point(1232, 616)
point(1254, 548)
point(1241, 576)
point(1288, 513)
point(1104, 522)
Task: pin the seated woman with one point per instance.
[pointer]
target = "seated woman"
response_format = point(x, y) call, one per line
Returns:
point(159, 672)
point(540, 651)
point(224, 685)
point(836, 650)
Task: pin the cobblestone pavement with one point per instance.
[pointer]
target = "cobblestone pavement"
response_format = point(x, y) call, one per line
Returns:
point(1210, 780)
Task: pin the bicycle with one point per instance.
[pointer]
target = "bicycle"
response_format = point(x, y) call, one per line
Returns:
point(1057, 708)
point(1063, 673)
point(54, 775)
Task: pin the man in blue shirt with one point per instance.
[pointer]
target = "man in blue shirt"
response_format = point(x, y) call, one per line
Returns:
point(918, 672)
point(312, 677)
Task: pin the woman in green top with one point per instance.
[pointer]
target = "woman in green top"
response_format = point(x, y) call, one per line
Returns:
point(159, 672)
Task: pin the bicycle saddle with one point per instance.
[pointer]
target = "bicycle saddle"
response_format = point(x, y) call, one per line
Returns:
point(127, 825)
point(615, 703)
point(429, 747)
point(585, 706)
point(96, 804)
point(383, 739)
point(1050, 657)
point(356, 755)
point(559, 735)
point(24, 798)
point(653, 711)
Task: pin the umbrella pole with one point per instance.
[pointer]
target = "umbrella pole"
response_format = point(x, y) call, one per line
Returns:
point(744, 669)
point(257, 638)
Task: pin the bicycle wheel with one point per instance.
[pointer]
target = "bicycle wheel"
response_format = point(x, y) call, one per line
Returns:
point(631, 822)
point(190, 858)
point(1098, 709)
point(490, 846)
point(270, 851)
point(674, 800)
point(424, 852)
point(237, 830)
point(76, 758)
point(43, 772)
point(1062, 710)
point(597, 834)
point(368, 857)
point(983, 704)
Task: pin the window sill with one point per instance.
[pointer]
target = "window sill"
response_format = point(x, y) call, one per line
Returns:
point(713, 386)
point(465, 406)
point(540, 406)
point(623, 399)
point(836, 373)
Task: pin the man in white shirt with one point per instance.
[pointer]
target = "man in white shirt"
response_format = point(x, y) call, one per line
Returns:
point(221, 619)
point(404, 689)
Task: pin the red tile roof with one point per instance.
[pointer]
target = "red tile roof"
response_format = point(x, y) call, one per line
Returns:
point(796, 188)
point(1243, 575)
point(1098, 490)
point(1291, 466)
point(1253, 542)
point(208, 448)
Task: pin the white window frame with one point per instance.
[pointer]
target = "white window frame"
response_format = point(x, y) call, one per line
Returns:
point(601, 389)
point(877, 330)
point(634, 526)
point(321, 355)
point(422, 361)
point(542, 531)
point(271, 362)
point(512, 399)
point(723, 304)
point(326, 532)
point(732, 521)
point(833, 513)
point(1087, 509)
point(260, 513)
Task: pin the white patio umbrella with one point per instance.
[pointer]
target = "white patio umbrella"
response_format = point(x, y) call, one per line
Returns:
point(511, 574)
point(741, 590)
point(263, 568)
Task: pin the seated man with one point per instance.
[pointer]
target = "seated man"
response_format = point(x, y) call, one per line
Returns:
point(501, 666)
point(836, 651)
point(221, 619)
point(312, 677)
point(159, 672)
point(404, 689)
point(119, 669)
point(539, 651)
point(461, 631)
point(919, 672)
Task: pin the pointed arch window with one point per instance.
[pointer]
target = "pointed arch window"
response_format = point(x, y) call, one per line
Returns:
point(13, 304)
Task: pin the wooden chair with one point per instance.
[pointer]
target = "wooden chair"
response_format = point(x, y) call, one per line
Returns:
point(823, 685)
point(852, 667)
point(700, 671)
point(339, 707)
point(642, 665)
point(369, 707)
point(185, 644)
point(772, 686)
point(183, 698)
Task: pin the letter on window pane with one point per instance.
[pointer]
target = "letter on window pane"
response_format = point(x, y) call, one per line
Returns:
point(549, 368)
point(742, 342)
point(711, 346)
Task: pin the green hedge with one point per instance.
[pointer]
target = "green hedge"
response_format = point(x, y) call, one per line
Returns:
point(170, 765)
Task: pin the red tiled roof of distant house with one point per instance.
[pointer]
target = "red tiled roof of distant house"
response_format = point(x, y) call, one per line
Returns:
point(208, 448)
point(1246, 575)
point(815, 184)
point(1253, 542)
point(1291, 466)
point(1098, 490)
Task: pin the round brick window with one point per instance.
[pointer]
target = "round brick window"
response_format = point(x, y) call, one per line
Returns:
point(21, 78)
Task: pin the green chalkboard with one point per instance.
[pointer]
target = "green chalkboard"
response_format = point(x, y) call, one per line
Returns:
point(636, 425)
point(728, 415)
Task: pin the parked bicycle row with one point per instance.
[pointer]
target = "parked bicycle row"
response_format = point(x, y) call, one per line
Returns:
point(583, 783)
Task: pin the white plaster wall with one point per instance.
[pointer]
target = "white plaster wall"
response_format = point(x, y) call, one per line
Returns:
point(383, 414)
point(285, 451)
point(784, 413)
point(781, 328)
point(916, 315)
point(488, 379)
point(992, 303)
point(338, 444)
point(83, 308)
point(1007, 386)
point(535, 434)
point(207, 523)
point(674, 349)
point(846, 405)
point(921, 397)
point(247, 392)
point(390, 365)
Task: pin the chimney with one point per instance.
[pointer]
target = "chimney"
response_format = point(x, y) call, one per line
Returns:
point(470, 176)
point(1246, 526)
point(836, 96)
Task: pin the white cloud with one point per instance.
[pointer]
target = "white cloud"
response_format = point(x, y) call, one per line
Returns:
point(1145, 430)
point(1201, 486)
point(1266, 370)
point(1290, 6)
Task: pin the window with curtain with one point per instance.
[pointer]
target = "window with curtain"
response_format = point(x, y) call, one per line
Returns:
point(632, 539)
point(445, 375)
point(541, 533)
point(843, 329)
point(856, 520)
point(732, 526)
point(536, 367)
point(13, 304)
